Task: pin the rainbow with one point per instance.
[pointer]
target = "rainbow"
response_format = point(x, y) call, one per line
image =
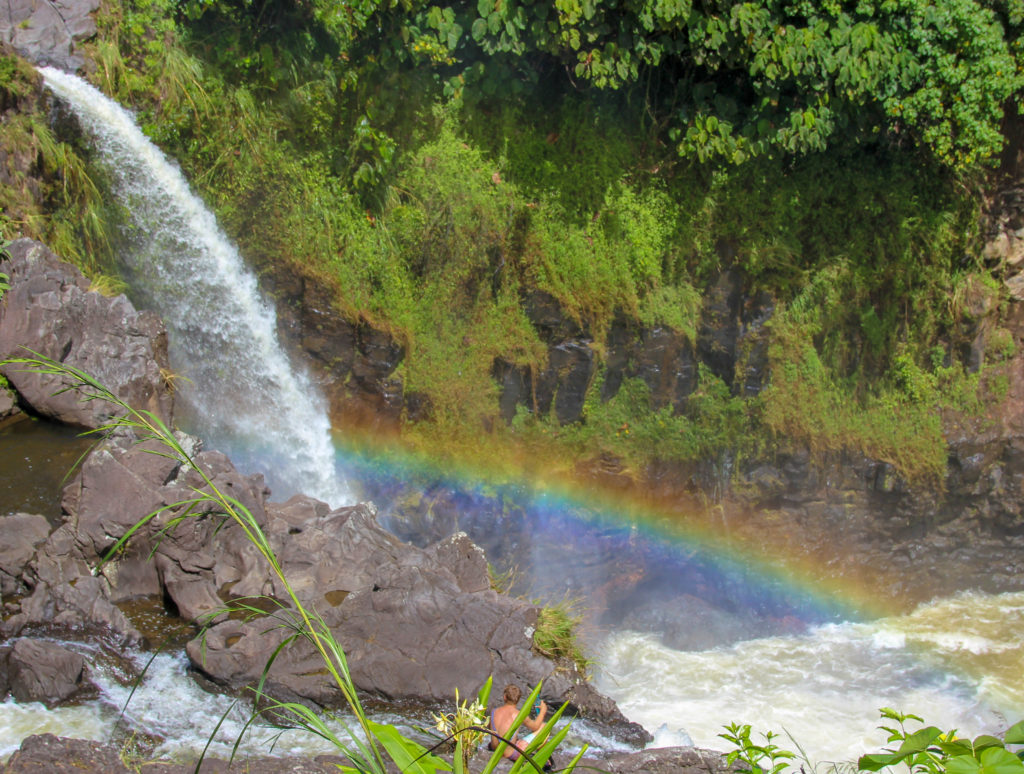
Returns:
point(594, 534)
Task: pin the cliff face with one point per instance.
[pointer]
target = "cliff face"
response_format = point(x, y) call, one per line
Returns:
point(851, 516)
point(856, 515)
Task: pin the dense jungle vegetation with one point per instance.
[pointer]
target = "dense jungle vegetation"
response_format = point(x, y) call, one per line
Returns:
point(429, 162)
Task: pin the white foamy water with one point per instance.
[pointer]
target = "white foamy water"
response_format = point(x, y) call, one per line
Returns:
point(167, 704)
point(956, 662)
point(239, 392)
point(824, 688)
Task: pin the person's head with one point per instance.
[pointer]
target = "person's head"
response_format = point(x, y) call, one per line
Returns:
point(512, 694)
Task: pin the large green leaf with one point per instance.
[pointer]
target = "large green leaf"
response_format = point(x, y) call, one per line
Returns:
point(994, 760)
point(409, 756)
point(1015, 733)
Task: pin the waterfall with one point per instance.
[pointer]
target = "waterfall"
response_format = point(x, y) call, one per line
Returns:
point(238, 391)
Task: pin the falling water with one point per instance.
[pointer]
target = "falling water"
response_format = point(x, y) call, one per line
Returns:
point(239, 392)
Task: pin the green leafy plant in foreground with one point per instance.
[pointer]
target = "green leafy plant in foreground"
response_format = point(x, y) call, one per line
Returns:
point(465, 724)
point(363, 749)
point(929, 750)
point(765, 758)
point(932, 751)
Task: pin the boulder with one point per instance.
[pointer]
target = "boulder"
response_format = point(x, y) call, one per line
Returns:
point(414, 624)
point(66, 595)
point(663, 760)
point(48, 754)
point(50, 310)
point(23, 534)
point(44, 671)
point(46, 32)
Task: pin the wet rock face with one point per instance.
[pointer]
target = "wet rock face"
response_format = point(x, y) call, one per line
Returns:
point(22, 534)
point(50, 310)
point(44, 671)
point(732, 343)
point(719, 331)
point(352, 361)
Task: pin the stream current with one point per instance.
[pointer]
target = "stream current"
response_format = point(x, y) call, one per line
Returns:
point(956, 661)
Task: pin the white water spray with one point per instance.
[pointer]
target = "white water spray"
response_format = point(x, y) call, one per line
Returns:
point(956, 662)
point(240, 392)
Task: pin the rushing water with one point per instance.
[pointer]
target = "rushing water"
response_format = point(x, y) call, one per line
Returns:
point(956, 661)
point(237, 390)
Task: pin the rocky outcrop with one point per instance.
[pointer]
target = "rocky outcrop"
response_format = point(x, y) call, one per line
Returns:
point(417, 624)
point(664, 760)
point(44, 671)
point(65, 595)
point(9, 410)
point(46, 31)
point(23, 534)
point(48, 754)
point(353, 360)
point(50, 310)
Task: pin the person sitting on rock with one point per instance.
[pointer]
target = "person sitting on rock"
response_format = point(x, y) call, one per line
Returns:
point(503, 717)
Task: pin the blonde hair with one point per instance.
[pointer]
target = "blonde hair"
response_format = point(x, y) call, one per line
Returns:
point(512, 694)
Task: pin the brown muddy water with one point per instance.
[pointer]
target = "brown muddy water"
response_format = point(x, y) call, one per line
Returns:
point(36, 458)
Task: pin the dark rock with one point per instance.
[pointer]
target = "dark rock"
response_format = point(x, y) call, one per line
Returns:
point(46, 32)
point(553, 325)
point(207, 555)
point(66, 594)
point(720, 326)
point(466, 561)
point(23, 534)
point(515, 388)
point(663, 760)
point(666, 361)
point(752, 345)
point(48, 754)
point(50, 310)
point(44, 672)
point(9, 410)
point(572, 366)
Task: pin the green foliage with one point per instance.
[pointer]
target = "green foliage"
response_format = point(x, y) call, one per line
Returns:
point(767, 758)
point(928, 750)
point(805, 403)
point(331, 144)
point(48, 193)
point(557, 634)
point(732, 80)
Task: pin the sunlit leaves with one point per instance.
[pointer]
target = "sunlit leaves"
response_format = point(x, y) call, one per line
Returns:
point(750, 78)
